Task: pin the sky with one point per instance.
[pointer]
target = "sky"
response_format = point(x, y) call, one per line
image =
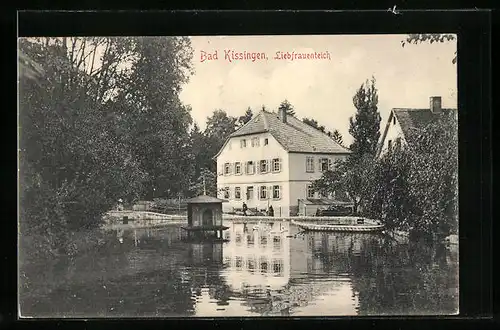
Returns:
point(321, 89)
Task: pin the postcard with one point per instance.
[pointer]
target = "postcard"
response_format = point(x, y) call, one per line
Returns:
point(237, 176)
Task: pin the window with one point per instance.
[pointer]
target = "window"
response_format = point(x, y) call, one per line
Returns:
point(266, 141)
point(239, 262)
point(226, 192)
point(324, 164)
point(243, 143)
point(310, 164)
point(398, 142)
point(251, 264)
point(263, 241)
point(276, 192)
point(255, 142)
point(393, 120)
point(263, 192)
point(237, 168)
point(263, 264)
point(310, 191)
point(276, 165)
point(276, 243)
point(227, 169)
point(263, 166)
point(389, 144)
point(250, 240)
point(250, 167)
point(250, 193)
point(237, 193)
point(277, 266)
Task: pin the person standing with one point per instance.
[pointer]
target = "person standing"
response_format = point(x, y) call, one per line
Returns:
point(271, 211)
point(245, 208)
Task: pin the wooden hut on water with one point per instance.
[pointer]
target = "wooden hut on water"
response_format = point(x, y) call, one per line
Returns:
point(205, 217)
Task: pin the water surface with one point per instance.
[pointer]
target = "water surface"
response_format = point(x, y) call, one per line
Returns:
point(263, 270)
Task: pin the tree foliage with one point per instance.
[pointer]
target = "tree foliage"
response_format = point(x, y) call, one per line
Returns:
point(313, 123)
point(158, 121)
point(100, 119)
point(287, 106)
point(242, 120)
point(365, 125)
point(206, 182)
point(219, 126)
point(348, 176)
point(430, 38)
point(337, 136)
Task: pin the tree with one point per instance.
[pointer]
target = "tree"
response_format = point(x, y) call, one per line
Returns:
point(337, 137)
point(206, 182)
point(74, 164)
point(219, 127)
point(102, 121)
point(158, 121)
point(313, 123)
point(354, 174)
point(431, 38)
point(29, 69)
point(287, 106)
point(242, 120)
point(434, 177)
point(348, 176)
point(415, 187)
point(365, 126)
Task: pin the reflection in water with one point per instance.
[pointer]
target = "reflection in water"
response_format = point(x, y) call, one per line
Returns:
point(264, 269)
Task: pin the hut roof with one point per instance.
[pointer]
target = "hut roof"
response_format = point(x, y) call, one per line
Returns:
point(204, 199)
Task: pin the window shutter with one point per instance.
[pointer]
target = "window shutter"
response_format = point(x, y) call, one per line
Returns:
point(270, 192)
point(330, 164)
point(281, 165)
point(257, 167)
point(281, 191)
point(270, 165)
point(319, 164)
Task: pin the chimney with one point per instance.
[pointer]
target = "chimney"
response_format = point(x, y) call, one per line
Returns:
point(435, 105)
point(282, 114)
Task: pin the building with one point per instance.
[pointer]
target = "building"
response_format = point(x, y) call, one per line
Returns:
point(204, 216)
point(273, 160)
point(257, 256)
point(403, 122)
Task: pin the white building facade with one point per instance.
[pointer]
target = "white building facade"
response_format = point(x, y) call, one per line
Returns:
point(272, 161)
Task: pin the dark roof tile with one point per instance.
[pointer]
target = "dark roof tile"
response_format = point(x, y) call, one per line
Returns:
point(294, 135)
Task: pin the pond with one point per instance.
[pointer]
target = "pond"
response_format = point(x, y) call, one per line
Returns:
point(262, 270)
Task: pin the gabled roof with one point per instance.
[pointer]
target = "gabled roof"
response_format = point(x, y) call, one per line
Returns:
point(410, 119)
point(294, 135)
point(204, 199)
